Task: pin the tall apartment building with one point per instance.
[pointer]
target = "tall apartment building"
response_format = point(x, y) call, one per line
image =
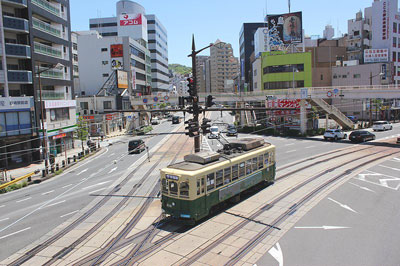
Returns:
point(132, 21)
point(359, 37)
point(201, 61)
point(75, 61)
point(221, 69)
point(36, 39)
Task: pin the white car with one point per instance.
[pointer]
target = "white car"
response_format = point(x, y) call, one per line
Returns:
point(334, 134)
point(214, 133)
point(382, 125)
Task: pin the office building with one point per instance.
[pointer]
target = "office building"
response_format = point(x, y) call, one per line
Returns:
point(37, 37)
point(132, 21)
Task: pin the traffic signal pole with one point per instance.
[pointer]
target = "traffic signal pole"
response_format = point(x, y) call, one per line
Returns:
point(195, 101)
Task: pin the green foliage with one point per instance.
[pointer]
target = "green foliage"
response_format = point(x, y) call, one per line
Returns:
point(321, 131)
point(58, 172)
point(147, 129)
point(82, 129)
point(13, 187)
point(180, 69)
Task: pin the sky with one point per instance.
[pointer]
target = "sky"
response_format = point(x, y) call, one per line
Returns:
point(210, 20)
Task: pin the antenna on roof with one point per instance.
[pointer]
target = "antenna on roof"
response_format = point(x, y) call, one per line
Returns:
point(289, 5)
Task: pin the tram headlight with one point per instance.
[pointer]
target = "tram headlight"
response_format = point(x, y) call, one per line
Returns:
point(173, 204)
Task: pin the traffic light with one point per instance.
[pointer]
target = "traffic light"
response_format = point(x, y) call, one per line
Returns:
point(181, 102)
point(192, 128)
point(205, 126)
point(209, 101)
point(191, 87)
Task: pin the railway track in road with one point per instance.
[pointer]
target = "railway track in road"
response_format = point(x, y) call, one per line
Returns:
point(34, 251)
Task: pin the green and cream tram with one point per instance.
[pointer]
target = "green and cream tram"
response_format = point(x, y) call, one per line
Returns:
point(190, 189)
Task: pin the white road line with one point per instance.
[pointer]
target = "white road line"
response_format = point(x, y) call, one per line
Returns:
point(68, 213)
point(112, 170)
point(5, 219)
point(290, 151)
point(391, 168)
point(2, 206)
point(15, 233)
point(67, 186)
point(290, 144)
point(112, 154)
point(48, 192)
point(276, 252)
point(55, 203)
point(396, 159)
point(342, 205)
point(23, 199)
point(82, 171)
point(361, 187)
point(97, 190)
point(95, 185)
point(309, 147)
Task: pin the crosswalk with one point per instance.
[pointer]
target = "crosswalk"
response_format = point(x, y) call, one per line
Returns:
point(205, 146)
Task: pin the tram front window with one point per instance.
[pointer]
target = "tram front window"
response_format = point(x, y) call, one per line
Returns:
point(173, 188)
point(184, 189)
point(164, 185)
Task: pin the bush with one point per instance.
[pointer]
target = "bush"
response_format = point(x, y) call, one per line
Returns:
point(321, 131)
point(60, 171)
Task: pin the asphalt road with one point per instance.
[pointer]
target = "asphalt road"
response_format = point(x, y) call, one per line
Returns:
point(30, 213)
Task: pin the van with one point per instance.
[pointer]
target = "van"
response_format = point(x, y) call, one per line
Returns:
point(136, 146)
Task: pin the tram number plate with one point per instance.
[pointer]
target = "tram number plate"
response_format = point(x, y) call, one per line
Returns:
point(172, 177)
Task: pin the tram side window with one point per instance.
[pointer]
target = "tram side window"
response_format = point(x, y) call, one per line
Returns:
point(227, 175)
point(202, 184)
point(184, 189)
point(266, 159)
point(210, 181)
point(164, 185)
point(271, 157)
point(242, 172)
point(254, 164)
point(173, 187)
point(260, 162)
point(235, 172)
point(198, 186)
point(219, 178)
point(248, 167)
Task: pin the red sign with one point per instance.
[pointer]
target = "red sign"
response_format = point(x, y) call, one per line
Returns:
point(117, 50)
point(285, 104)
point(129, 20)
point(385, 22)
point(111, 116)
point(59, 136)
point(88, 117)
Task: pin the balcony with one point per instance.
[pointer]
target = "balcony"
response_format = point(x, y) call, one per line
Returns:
point(15, 24)
point(17, 50)
point(52, 74)
point(15, 3)
point(43, 26)
point(52, 95)
point(48, 7)
point(20, 76)
point(47, 50)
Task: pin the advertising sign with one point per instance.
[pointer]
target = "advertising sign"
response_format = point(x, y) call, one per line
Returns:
point(133, 73)
point(10, 103)
point(285, 104)
point(130, 19)
point(117, 50)
point(260, 41)
point(122, 79)
point(376, 55)
point(385, 20)
point(286, 27)
point(117, 64)
point(59, 103)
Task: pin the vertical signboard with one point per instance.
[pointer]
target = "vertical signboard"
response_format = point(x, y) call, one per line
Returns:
point(122, 79)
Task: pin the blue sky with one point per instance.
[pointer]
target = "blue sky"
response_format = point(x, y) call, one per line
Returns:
point(213, 19)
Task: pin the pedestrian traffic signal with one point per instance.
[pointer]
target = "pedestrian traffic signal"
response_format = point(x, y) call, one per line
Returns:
point(191, 88)
point(192, 128)
point(209, 101)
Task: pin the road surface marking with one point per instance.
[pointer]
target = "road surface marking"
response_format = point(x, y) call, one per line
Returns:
point(56, 203)
point(309, 147)
point(68, 213)
point(48, 192)
point(381, 180)
point(364, 188)
point(112, 170)
point(82, 171)
point(15, 233)
point(290, 151)
point(95, 185)
point(23, 199)
point(5, 219)
point(277, 253)
point(97, 190)
point(290, 144)
point(2, 206)
point(391, 168)
point(67, 186)
point(325, 227)
point(112, 154)
point(342, 205)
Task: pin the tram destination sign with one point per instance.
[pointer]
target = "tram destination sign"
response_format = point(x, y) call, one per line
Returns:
point(172, 177)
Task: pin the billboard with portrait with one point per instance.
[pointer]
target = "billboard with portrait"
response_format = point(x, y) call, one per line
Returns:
point(287, 27)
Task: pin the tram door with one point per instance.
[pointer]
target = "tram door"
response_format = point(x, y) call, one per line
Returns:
point(202, 200)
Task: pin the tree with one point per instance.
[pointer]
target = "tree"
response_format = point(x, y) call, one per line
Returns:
point(82, 130)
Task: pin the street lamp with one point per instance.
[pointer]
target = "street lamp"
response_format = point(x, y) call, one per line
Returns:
point(44, 137)
point(195, 101)
point(370, 100)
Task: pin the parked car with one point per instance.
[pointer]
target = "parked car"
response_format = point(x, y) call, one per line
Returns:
point(361, 136)
point(136, 146)
point(231, 131)
point(334, 134)
point(155, 121)
point(382, 125)
point(214, 133)
point(176, 120)
point(169, 118)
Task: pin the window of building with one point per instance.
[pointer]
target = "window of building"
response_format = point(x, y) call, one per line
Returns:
point(344, 76)
point(107, 105)
point(59, 114)
point(104, 62)
point(104, 49)
point(357, 76)
point(283, 68)
point(255, 72)
point(105, 75)
point(322, 77)
point(356, 33)
point(398, 57)
point(84, 105)
point(75, 46)
point(394, 57)
point(255, 85)
point(394, 41)
point(395, 27)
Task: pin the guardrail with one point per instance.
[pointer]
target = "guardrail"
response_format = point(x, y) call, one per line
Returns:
point(17, 180)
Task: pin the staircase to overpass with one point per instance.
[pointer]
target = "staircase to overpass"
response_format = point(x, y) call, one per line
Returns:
point(333, 112)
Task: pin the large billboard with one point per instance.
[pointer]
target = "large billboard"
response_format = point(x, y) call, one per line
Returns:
point(132, 25)
point(122, 79)
point(117, 50)
point(287, 28)
point(376, 55)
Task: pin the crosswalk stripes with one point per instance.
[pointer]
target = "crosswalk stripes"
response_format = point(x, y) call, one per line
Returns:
point(204, 145)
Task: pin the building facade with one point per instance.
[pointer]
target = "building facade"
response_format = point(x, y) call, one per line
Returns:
point(201, 63)
point(365, 74)
point(132, 21)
